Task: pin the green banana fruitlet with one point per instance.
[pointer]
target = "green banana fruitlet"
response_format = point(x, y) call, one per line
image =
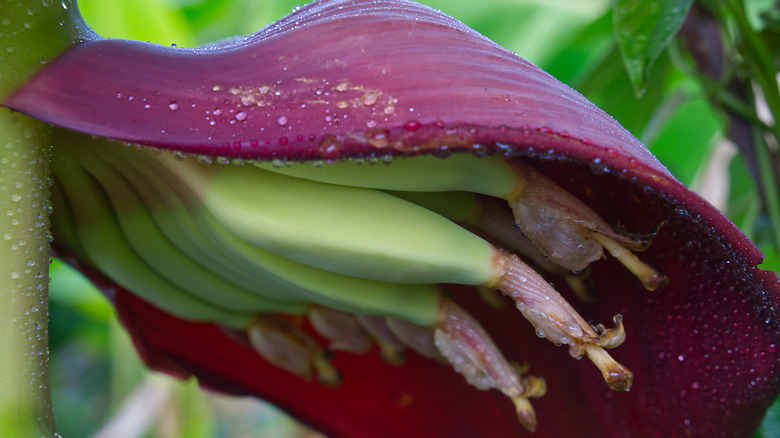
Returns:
point(343, 244)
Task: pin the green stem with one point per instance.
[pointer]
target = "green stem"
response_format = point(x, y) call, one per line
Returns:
point(25, 402)
point(32, 34)
point(759, 63)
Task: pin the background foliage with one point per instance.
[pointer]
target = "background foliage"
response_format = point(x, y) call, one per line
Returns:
point(612, 52)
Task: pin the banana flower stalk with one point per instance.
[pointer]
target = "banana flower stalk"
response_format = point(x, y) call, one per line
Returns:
point(360, 177)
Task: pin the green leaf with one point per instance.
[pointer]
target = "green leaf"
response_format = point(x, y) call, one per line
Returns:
point(770, 427)
point(771, 258)
point(643, 29)
point(683, 142)
point(146, 20)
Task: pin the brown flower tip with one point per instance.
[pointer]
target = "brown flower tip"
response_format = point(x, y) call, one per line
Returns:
point(618, 377)
point(286, 345)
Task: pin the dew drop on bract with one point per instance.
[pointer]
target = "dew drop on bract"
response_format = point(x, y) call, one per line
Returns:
point(369, 99)
point(412, 125)
point(598, 167)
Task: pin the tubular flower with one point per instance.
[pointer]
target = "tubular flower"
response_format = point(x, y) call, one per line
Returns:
point(374, 179)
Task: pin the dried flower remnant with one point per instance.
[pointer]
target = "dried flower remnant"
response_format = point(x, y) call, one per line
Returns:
point(391, 348)
point(286, 345)
point(555, 319)
point(571, 234)
point(473, 354)
point(343, 330)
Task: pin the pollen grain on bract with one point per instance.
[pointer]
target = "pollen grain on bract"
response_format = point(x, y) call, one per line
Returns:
point(301, 292)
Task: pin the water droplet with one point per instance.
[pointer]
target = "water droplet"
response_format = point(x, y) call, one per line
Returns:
point(412, 125)
point(598, 167)
point(282, 120)
point(277, 163)
point(479, 150)
point(342, 104)
point(173, 106)
point(241, 116)
point(216, 87)
point(204, 160)
point(539, 332)
point(342, 86)
point(370, 99)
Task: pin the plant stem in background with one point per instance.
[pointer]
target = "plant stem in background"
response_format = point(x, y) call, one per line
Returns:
point(25, 402)
point(703, 37)
point(32, 33)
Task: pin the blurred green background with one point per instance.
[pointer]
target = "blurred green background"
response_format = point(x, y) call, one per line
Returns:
point(100, 388)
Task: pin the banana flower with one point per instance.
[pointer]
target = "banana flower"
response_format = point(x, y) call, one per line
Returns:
point(397, 111)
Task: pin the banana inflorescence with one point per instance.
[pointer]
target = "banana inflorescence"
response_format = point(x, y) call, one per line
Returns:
point(358, 250)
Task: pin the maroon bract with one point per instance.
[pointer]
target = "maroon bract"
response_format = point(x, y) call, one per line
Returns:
point(369, 79)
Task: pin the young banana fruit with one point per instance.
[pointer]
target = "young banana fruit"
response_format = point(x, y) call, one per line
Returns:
point(103, 244)
point(368, 233)
point(278, 284)
point(559, 225)
point(236, 244)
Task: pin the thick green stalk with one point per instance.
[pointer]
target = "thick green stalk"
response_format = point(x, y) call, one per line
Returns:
point(32, 33)
point(25, 403)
